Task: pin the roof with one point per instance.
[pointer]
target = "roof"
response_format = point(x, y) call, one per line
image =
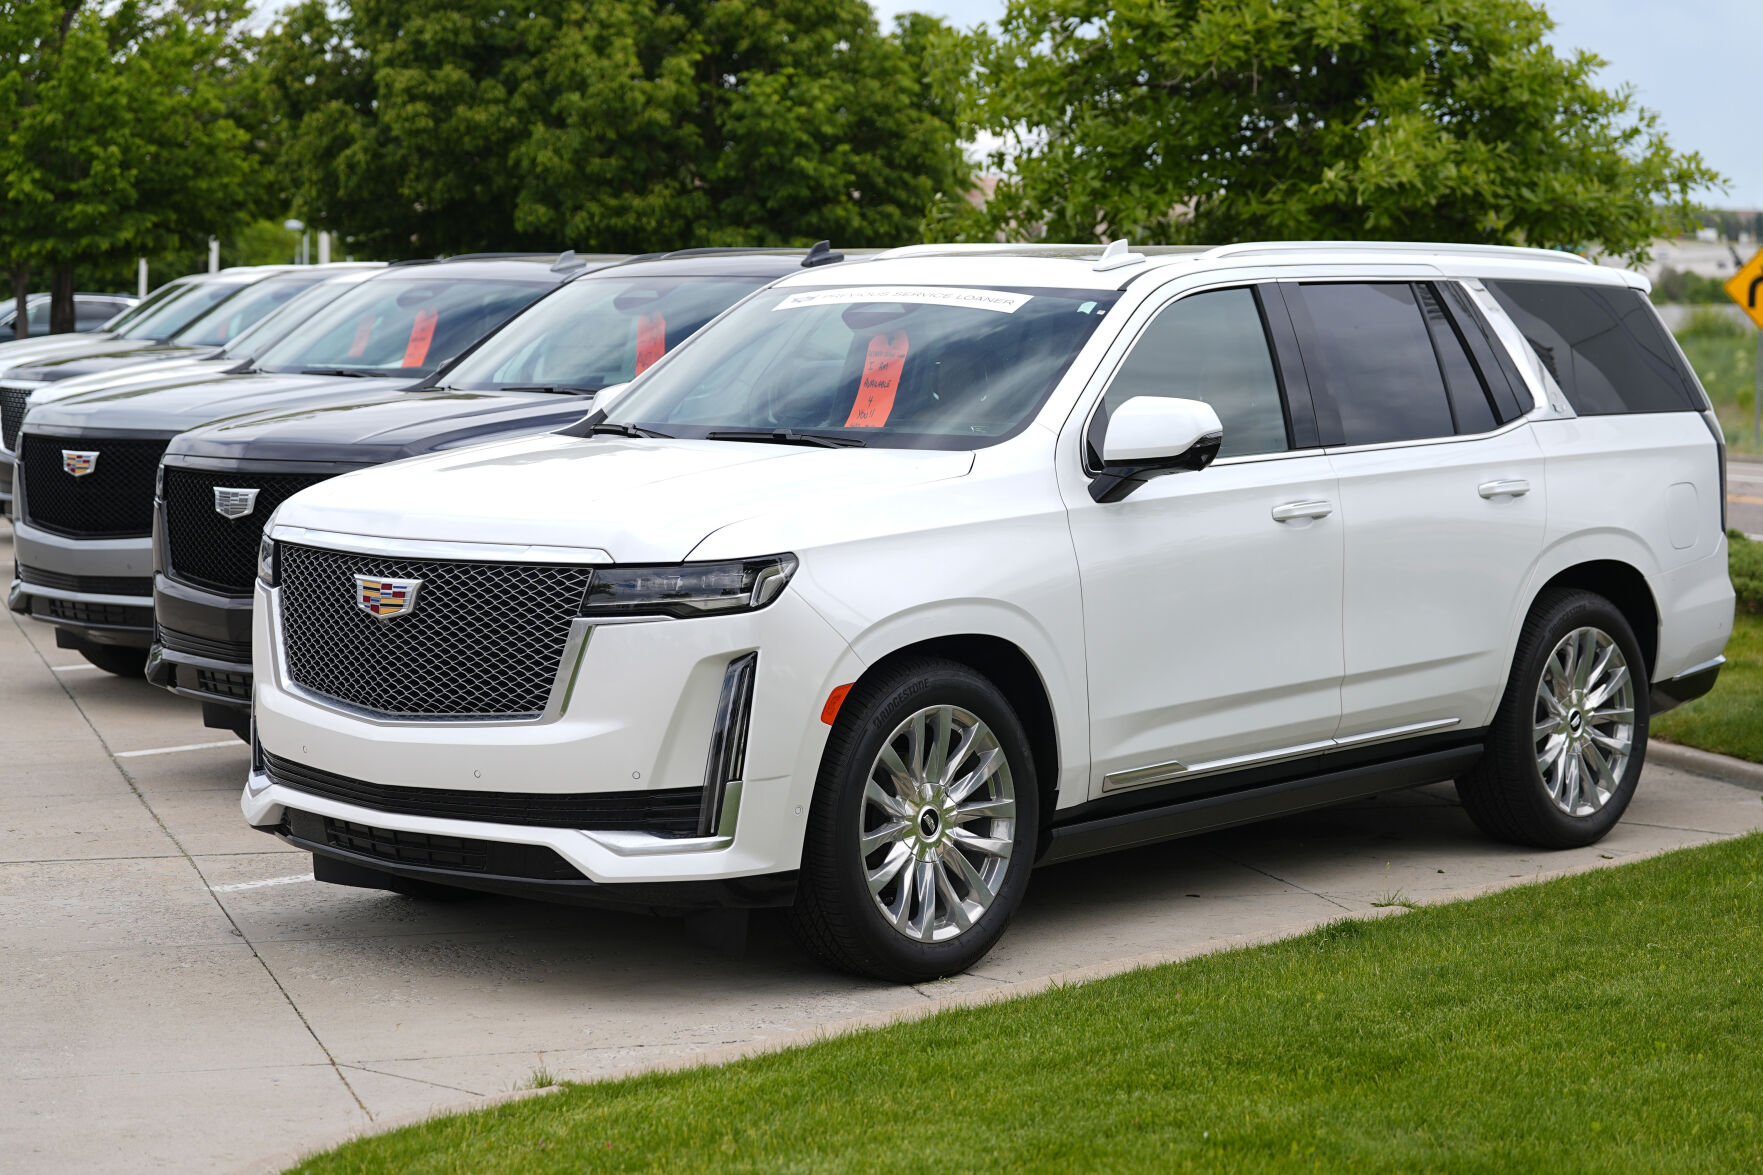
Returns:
point(1114, 266)
point(762, 263)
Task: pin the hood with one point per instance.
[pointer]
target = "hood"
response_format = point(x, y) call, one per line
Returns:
point(140, 376)
point(22, 352)
point(637, 500)
point(197, 400)
point(381, 426)
point(120, 353)
point(39, 364)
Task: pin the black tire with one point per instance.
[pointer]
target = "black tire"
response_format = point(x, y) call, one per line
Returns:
point(1505, 793)
point(118, 659)
point(835, 916)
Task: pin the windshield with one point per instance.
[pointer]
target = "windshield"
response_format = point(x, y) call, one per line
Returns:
point(226, 320)
point(596, 332)
point(400, 323)
point(266, 331)
point(124, 322)
point(184, 306)
point(900, 366)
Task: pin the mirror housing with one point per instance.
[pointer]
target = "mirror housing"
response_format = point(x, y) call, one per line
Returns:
point(1149, 436)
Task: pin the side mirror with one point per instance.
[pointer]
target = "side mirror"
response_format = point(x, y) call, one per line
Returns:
point(1149, 436)
point(604, 398)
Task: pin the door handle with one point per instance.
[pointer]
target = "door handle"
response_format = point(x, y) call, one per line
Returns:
point(1308, 508)
point(1515, 487)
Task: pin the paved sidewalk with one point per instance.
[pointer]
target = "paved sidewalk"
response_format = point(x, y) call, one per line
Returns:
point(176, 993)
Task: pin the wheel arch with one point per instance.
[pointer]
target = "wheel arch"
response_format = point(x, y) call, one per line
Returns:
point(1625, 586)
point(1013, 671)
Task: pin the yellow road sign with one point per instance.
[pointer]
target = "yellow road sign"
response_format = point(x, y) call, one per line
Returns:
point(1746, 288)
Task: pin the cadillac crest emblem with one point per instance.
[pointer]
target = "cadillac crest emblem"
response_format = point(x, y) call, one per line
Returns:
point(385, 598)
point(79, 462)
point(234, 503)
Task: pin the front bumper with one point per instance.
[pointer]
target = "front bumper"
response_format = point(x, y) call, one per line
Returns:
point(98, 590)
point(638, 714)
point(6, 464)
point(202, 644)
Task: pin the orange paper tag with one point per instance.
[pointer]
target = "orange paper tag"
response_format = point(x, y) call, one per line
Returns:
point(363, 333)
point(422, 333)
point(651, 340)
point(881, 378)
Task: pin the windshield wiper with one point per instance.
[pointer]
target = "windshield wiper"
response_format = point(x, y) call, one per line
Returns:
point(349, 371)
point(784, 436)
point(626, 430)
point(563, 389)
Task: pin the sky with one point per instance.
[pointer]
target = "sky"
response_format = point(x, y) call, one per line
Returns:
point(1687, 60)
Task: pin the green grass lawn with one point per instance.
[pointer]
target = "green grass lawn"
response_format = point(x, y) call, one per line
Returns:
point(1724, 355)
point(1611, 1021)
point(1729, 719)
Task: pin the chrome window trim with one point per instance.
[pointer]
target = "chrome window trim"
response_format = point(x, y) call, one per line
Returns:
point(1175, 769)
point(557, 700)
point(1455, 438)
point(467, 552)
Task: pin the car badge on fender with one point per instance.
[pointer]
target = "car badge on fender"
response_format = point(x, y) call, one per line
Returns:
point(234, 503)
point(79, 462)
point(385, 598)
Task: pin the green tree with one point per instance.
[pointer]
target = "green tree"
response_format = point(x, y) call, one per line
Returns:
point(117, 139)
point(1218, 120)
point(417, 127)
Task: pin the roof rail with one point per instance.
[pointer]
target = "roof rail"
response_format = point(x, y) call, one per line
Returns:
point(1515, 252)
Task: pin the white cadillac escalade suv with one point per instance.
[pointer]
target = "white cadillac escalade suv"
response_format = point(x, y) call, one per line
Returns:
point(904, 576)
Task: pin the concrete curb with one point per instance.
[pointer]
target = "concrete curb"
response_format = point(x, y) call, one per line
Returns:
point(1699, 762)
point(727, 1054)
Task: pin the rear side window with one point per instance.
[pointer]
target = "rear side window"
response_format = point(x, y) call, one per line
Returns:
point(1380, 378)
point(1463, 383)
point(1210, 347)
point(1603, 345)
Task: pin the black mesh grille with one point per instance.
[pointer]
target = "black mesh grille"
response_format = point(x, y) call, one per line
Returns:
point(236, 652)
point(670, 812)
point(454, 853)
point(97, 585)
point(113, 501)
point(224, 685)
point(208, 549)
point(13, 402)
point(483, 641)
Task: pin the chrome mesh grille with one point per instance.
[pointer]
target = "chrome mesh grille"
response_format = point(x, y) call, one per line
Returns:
point(484, 640)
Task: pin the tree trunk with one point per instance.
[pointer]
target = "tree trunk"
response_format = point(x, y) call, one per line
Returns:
point(61, 316)
point(21, 292)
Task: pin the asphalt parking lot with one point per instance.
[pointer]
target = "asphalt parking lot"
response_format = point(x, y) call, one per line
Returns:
point(179, 994)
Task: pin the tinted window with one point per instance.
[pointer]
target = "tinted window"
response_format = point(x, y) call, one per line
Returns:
point(1210, 347)
point(1380, 379)
point(1601, 343)
point(227, 320)
point(1463, 380)
point(184, 306)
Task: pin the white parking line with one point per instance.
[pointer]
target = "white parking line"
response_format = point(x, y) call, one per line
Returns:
point(260, 884)
point(231, 742)
point(71, 668)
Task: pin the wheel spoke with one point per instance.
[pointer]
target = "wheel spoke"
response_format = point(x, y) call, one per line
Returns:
point(1543, 730)
point(984, 769)
point(1604, 692)
point(1583, 657)
point(1616, 746)
point(1601, 772)
point(889, 869)
point(957, 908)
point(959, 755)
point(1552, 752)
point(915, 745)
point(990, 846)
point(976, 885)
point(924, 920)
point(1606, 717)
point(898, 775)
point(1002, 809)
point(1547, 696)
point(886, 834)
point(1570, 783)
point(891, 804)
point(937, 753)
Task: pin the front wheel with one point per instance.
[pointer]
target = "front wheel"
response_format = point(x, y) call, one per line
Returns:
point(923, 826)
point(1565, 750)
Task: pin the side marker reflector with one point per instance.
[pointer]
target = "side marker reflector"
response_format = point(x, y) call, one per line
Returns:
point(829, 713)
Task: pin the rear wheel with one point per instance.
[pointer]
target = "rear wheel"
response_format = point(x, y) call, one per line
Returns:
point(118, 659)
point(1566, 748)
point(923, 826)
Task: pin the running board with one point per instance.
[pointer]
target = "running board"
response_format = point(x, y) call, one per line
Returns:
point(1106, 834)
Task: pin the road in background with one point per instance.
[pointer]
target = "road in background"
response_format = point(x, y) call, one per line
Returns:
point(1744, 496)
point(179, 992)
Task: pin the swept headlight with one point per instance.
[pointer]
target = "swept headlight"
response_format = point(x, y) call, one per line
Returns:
point(688, 589)
point(269, 569)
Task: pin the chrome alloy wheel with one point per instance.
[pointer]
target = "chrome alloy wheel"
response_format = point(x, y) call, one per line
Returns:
point(1584, 721)
point(938, 823)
